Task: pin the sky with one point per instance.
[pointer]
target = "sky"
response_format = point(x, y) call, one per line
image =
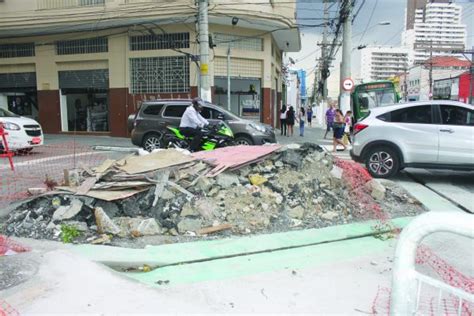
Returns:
point(310, 12)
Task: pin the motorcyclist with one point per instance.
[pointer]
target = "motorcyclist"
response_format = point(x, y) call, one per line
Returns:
point(192, 122)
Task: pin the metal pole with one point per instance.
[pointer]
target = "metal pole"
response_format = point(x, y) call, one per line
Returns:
point(324, 49)
point(430, 95)
point(471, 81)
point(228, 78)
point(204, 50)
point(345, 96)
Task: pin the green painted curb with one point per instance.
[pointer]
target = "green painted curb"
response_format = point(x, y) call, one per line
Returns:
point(171, 254)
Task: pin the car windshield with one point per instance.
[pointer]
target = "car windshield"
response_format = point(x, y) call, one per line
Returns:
point(373, 99)
point(6, 113)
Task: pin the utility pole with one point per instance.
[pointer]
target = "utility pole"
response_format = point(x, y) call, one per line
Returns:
point(471, 79)
point(345, 96)
point(430, 95)
point(228, 78)
point(324, 55)
point(203, 21)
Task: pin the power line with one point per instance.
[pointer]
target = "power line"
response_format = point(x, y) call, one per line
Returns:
point(368, 22)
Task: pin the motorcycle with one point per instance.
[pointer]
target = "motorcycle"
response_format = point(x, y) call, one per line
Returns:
point(213, 136)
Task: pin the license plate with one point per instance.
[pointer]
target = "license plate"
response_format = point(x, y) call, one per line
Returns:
point(36, 140)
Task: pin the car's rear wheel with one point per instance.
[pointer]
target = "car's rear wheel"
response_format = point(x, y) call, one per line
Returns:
point(152, 141)
point(243, 140)
point(382, 162)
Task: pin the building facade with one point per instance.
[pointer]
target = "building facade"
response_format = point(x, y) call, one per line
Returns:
point(83, 66)
point(433, 28)
point(454, 88)
point(418, 78)
point(383, 62)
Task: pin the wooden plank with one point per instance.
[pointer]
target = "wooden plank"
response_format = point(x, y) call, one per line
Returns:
point(86, 186)
point(214, 229)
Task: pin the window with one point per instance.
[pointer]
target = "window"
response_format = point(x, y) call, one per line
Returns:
point(153, 109)
point(159, 41)
point(175, 110)
point(238, 42)
point(209, 113)
point(415, 115)
point(456, 115)
point(82, 46)
point(17, 50)
point(159, 74)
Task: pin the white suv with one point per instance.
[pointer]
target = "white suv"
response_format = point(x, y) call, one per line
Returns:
point(434, 135)
point(23, 133)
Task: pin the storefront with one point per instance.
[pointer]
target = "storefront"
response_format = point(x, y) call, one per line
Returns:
point(245, 96)
point(18, 94)
point(84, 100)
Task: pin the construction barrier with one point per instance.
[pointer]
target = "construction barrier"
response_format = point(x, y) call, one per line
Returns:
point(5, 152)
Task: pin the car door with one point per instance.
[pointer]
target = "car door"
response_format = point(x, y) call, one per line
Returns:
point(414, 130)
point(456, 135)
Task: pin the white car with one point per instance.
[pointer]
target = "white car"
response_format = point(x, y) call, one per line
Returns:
point(23, 133)
point(434, 134)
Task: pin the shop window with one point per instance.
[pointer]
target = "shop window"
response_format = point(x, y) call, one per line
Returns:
point(238, 42)
point(82, 46)
point(159, 74)
point(86, 109)
point(245, 96)
point(17, 50)
point(159, 41)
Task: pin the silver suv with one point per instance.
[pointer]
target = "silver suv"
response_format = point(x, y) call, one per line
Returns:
point(149, 123)
point(433, 135)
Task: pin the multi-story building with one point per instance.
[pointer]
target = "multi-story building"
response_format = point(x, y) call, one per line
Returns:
point(382, 62)
point(85, 65)
point(418, 79)
point(433, 28)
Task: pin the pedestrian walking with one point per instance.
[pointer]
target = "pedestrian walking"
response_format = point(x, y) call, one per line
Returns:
point(301, 119)
point(348, 126)
point(309, 114)
point(283, 120)
point(338, 129)
point(290, 120)
point(330, 115)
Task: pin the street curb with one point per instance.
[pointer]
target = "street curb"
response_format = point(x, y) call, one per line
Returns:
point(199, 251)
point(119, 149)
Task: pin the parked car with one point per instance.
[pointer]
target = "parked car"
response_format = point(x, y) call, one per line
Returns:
point(23, 133)
point(432, 135)
point(149, 123)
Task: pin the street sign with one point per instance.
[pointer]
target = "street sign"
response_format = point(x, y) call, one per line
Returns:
point(348, 84)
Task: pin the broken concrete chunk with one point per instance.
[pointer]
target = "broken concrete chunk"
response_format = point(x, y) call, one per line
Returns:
point(204, 184)
point(167, 195)
point(68, 212)
point(36, 191)
point(296, 212)
point(336, 172)
point(189, 225)
point(189, 210)
point(329, 215)
point(292, 158)
point(80, 226)
point(376, 189)
point(104, 223)
point(226, 180)
point(148, 227)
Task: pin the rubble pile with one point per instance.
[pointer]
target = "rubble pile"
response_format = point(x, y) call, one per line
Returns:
point(170, 193)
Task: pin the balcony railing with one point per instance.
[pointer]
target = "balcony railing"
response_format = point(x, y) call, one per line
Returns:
point(64, 4)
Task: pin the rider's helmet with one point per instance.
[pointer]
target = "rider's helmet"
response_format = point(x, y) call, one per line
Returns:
point(197, 103)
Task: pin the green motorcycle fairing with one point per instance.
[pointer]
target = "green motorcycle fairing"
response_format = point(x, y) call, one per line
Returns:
point(176, 132)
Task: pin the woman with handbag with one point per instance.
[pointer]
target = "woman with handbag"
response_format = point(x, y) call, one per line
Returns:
point(338, 128)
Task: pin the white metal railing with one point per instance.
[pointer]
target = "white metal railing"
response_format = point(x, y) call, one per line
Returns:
point(63, 4)
point(407, 283)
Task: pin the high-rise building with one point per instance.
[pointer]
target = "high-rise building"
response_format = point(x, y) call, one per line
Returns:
point(383, 62)
point(433, 27)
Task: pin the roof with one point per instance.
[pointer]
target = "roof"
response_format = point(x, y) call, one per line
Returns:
point(448, 61)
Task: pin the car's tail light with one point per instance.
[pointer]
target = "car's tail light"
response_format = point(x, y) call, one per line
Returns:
point(359, 127)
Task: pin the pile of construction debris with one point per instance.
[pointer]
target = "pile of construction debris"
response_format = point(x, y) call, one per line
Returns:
point(231, 191)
